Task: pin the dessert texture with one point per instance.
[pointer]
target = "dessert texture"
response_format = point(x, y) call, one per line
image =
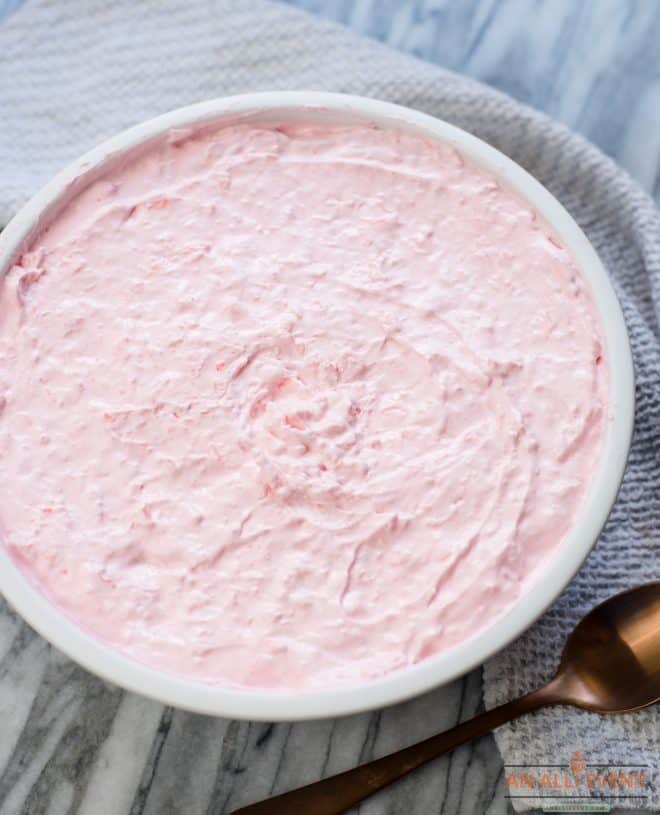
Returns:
point(294, 406)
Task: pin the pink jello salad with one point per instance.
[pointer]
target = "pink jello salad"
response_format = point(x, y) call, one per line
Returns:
point(294, 406)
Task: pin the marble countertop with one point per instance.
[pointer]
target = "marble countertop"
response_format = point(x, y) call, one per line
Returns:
point(72, 744)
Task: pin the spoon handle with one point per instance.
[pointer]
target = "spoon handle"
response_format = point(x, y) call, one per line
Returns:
point(334, 795)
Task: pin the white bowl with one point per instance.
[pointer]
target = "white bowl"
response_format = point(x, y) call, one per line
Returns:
point(544, 588)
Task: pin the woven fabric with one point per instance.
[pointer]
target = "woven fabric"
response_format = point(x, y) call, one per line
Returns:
point(111, 65)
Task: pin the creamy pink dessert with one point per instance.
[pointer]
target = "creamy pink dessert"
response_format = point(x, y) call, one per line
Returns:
point(294, 406)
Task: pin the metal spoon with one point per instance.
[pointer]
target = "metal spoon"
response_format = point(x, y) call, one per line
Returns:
point(611, 664)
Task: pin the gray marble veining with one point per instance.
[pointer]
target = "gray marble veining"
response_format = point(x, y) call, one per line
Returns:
point(71, 744)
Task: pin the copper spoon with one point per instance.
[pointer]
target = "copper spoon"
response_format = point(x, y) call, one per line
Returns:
point(611, 664)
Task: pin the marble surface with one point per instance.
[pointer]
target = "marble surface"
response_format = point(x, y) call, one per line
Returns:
point(70, 743)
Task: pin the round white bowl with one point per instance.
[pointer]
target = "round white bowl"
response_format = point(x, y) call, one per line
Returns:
point(543, 588)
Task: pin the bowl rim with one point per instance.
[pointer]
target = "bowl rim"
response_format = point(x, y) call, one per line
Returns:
point(404, 683)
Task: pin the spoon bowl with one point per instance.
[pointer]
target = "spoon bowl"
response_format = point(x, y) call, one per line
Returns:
point(611, 662)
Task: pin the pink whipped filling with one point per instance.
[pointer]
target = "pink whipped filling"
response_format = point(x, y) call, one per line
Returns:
point(296, 406)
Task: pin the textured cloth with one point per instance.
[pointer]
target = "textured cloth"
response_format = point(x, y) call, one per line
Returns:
point(111, 65)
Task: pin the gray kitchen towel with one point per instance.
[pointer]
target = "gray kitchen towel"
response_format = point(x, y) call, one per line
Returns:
point(73, 73)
